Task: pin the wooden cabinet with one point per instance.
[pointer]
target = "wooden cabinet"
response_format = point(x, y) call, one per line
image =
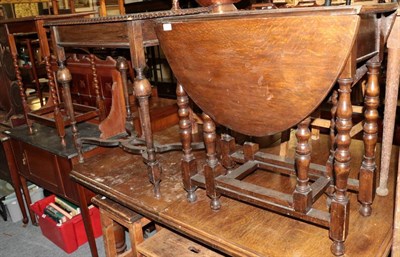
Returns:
point(44, 168)
point(43, 160)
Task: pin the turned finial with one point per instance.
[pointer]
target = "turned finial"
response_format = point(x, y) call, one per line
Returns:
point(122, 63)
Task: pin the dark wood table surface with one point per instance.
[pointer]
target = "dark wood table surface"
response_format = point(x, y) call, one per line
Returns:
point(237, 229)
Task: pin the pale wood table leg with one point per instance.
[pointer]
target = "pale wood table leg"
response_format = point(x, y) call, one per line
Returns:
point(396, 225)
point(392, 84)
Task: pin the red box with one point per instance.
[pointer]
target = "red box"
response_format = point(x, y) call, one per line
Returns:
point(69, 235)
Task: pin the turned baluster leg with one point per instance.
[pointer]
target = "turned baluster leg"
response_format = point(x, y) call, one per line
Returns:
point(367, 174)
point(142, 89)
point(211, 162)
point(122, 66)
point(64, 77)
point(99, 100)
point(25, 106)
point(340, 206)
point(56, 112)
point(332, 135)
point(188, 163)
point(302, 195)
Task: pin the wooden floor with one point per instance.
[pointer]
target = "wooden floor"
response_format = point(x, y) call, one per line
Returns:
point(237, 229)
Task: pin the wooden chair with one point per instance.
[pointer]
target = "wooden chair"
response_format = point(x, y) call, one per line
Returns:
point(89, 76)
point(260, 90)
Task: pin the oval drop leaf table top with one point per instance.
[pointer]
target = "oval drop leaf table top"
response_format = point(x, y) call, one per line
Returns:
point(259, 72)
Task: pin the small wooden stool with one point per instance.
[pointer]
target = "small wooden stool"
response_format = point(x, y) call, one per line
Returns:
point(111, 212)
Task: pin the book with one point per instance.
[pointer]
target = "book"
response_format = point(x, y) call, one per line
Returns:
point(62, 211)
point(54, 214)
point(66, 205)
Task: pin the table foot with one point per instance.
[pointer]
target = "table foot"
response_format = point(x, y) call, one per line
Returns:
point(191, 196)
point(215, 204)
point(337, 248)
point(365, 210)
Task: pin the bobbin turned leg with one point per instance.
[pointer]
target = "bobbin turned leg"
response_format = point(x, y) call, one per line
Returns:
point(302, 195)
point(367, 174)
point(142, 89)
point(56, 105)
point(340, 205)
point(99, 101)
point(64, 77)
point(26, 109)
point(188, 163)
point(211, 163)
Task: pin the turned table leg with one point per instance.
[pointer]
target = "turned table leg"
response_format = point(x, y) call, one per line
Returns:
point(302, 196)
point(211, 162)
point(340, 206)
point(367, 178)
point(188, 163)
point(64, 77)
point(142, 89)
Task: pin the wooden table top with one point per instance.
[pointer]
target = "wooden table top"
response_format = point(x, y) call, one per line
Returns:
point(237, 229)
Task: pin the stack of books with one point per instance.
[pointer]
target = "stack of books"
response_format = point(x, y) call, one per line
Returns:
point(61, 210)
